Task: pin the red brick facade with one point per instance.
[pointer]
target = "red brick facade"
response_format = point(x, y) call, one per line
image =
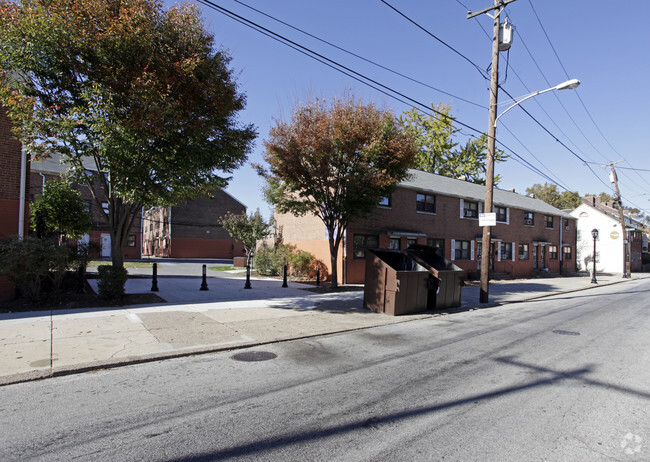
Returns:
point(546, 239)
point(191, 229)
point(10, 160)
point(49, 169)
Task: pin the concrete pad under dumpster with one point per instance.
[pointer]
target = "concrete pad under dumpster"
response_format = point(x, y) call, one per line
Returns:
point(411, 281)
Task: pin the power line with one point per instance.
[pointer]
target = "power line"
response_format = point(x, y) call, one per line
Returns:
point(333, 64)
point(359, 56)
point(437, 38)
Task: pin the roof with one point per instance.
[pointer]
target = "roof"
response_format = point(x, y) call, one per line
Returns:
point(53, 164)
point(430, 182)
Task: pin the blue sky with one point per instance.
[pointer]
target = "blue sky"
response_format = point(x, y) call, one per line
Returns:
point(604, 44)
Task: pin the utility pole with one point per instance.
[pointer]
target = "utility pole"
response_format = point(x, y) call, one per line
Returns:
point(619, 204)
point(486, 241)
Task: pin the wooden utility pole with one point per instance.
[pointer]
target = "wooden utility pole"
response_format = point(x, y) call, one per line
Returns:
point(619, 204)
point(486, 241)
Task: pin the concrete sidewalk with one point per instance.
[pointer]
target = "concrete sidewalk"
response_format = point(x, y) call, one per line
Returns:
point(226, 316)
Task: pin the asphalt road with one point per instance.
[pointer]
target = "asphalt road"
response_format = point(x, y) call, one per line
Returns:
point(563, 378)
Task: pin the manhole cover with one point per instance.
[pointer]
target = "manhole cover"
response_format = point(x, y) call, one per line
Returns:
point(254, 356)
point(566, 332)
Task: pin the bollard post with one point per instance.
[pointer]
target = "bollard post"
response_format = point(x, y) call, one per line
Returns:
point(204, 283)
point(317, 277)
point(284, 278)
point(248, 277)
point(154, 279)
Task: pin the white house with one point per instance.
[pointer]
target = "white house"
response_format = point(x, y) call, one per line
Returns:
point(609, 244)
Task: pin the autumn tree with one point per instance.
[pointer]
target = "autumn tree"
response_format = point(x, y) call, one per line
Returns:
point(60, 210)
point(335, 161)
point(247, 229)
point(439, 153)
point(137, 89)
point(549, 194)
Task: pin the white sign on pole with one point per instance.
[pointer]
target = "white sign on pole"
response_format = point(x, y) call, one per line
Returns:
point(487, 219)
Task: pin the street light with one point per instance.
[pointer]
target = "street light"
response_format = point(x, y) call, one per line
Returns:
point(489, 176)
point(594, 234)
point(568, 85)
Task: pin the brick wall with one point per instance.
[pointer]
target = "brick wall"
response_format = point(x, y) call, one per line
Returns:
point(402, 221)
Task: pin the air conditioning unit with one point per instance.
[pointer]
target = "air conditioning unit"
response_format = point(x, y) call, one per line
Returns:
point(528, 221)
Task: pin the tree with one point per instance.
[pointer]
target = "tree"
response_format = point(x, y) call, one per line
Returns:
point(60, 210)
point(246, 229)
point(438, 153)
point(335, 161)
point(135, 88)
point(549, 194)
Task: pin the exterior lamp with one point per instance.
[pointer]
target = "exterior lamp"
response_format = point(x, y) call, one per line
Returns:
point(489, 176)
point(568, 85)
point(594, 234)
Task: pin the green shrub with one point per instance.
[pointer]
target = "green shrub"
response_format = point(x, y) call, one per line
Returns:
point(111, 282)
point(270, 261)
point(264, 263)
point(25, 263)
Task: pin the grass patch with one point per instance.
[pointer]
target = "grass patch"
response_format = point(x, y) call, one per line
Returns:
point(127, 264)
point(222, 268)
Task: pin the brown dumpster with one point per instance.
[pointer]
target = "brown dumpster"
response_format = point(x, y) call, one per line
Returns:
point(400, 282)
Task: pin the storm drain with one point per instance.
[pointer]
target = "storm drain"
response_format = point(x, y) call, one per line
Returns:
point(250, 356)
point(566, 332)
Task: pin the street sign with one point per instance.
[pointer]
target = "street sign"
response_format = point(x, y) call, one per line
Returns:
point(487, 219)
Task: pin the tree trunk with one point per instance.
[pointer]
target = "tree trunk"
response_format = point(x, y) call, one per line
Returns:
point(334, 254)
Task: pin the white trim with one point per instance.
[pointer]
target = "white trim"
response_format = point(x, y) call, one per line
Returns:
point(507, 215)
point(453, 249)
point(480, 207)
point(499, 252)
point(471, 250)
point(462, 208)
point(513, 251)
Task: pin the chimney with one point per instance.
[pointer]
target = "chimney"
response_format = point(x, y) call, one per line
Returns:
point(511, 189)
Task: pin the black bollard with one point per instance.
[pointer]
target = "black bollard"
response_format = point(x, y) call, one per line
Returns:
point(248, 277)
point(317, 276)
point(204, 283)
point(154, 280)
point(284, 278)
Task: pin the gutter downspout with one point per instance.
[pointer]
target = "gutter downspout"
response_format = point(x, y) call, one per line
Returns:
point(561, 246)
point(23, 188)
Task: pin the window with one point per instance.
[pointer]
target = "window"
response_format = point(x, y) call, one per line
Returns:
point(549, 221)
point(426, 203)
point(566, 224)
point(529, 219)
point(552, 252)
point(363, 242)
point(130, 240)
point(394, 243)
point(438, 244)
point(470, 209)
point(462, 250)
point(411, 241)
point(87, 205)
point(566, 253)
point(502, 214)
point(105, 206)
point(385, 201)
point(523, 251)
point(506, 251)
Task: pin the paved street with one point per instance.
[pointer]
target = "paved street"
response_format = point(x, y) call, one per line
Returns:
point(559, 378)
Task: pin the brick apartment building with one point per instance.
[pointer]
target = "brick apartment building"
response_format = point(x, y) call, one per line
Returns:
point(191, 229)
point(10, 203)
point(530, 236)
point(50, 168)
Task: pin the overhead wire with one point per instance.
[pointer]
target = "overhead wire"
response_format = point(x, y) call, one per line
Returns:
point(419, 82)
point(349, 72)
point(577, 93)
